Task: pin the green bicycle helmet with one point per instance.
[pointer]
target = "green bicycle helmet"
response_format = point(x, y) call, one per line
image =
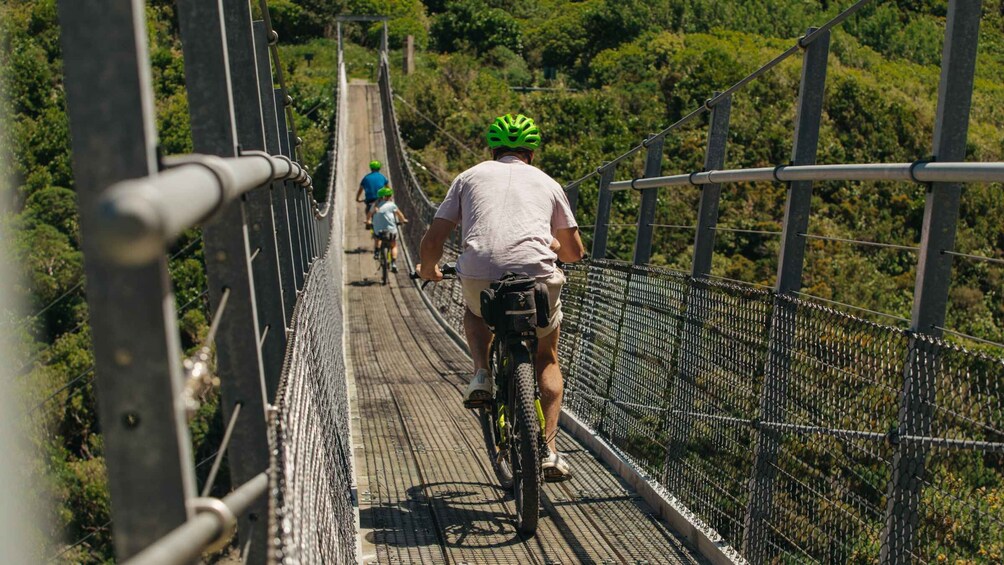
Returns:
point(375, 165)
point(510, 132)
point(385, 192)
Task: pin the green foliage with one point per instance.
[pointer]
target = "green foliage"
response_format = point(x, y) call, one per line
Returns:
point(470, 25)
point(293, 22)
point(407, 17)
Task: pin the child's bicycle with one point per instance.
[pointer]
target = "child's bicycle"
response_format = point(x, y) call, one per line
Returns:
point(512, 422)
point(384, 254)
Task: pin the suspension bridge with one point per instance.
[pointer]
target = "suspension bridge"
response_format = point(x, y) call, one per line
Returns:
point(708, 420)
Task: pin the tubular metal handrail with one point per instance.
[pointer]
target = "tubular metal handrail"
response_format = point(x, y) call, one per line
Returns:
point(142, 216)
point(922, 172)
point(188, 541)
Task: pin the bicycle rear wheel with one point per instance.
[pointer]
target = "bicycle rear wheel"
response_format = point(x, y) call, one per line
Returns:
point(384, 263)
point(524, 445)
point(496, 454)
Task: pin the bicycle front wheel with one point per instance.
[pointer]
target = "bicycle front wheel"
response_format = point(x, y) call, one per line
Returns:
point(525, 443)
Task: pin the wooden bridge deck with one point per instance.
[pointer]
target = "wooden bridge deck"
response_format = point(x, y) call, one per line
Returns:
point(427, 491)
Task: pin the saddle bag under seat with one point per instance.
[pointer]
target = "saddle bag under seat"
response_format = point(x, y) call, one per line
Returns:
point(515, 304)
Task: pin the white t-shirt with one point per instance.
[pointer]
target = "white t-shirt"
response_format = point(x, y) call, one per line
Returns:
point(384, 218)
point(508, 211)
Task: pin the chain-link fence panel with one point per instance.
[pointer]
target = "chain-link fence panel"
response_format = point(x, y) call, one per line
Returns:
point(311, 502)
point(447, 298)
point(778, 422)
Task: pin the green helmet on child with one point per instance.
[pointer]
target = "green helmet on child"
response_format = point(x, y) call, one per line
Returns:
point(385, 192)
point(375, 165)
point(510, 132)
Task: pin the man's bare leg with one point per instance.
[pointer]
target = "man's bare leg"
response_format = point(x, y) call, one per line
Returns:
point(551, 385)
point(479, 338)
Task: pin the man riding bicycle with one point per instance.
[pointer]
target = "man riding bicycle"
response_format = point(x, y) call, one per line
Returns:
point(384, 217)
point(514, 218)
point(368, 189)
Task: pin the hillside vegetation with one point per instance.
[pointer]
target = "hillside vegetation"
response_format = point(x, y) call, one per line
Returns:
point(627, 68)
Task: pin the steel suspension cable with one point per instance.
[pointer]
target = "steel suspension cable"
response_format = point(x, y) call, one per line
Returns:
point(222, 450)
point(273, 45)
point(435, 125)
point(711, 102)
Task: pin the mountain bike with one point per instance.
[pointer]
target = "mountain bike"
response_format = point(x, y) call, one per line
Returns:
point(512, 422)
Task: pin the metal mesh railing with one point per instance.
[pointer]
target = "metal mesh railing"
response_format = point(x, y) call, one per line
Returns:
point(447, 299)
point(796, 431)
point(312, 506)
point(778, 422)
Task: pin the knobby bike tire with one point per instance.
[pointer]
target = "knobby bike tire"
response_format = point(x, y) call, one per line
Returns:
point(498, 458)
point(525, 447)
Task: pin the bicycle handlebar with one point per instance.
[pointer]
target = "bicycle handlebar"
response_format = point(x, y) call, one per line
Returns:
point(449, 271)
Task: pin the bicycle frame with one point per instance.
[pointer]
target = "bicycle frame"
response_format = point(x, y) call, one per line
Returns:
point(500, 367)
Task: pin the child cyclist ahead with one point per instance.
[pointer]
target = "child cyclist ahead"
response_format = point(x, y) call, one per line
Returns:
point(384, 217)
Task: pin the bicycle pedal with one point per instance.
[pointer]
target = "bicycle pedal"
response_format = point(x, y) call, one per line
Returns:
point(475, 403)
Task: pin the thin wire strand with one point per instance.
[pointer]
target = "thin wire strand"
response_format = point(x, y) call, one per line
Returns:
point(273, 48)
point(109, 522)
point(217, 316)
point(26, 368)
point(426, 169)
point(845, 305)
point(802, 42)
point(57, 300)
point(80, 541)
point(63, 388)
point(972, 337)
point(837, 20)
point(973, 257)
point(435, 125)
point(738, 230)
point(673, 226)
point(222, 450)
point(859, 242)
point(737, 281)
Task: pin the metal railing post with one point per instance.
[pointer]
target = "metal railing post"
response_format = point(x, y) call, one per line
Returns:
point(649, 201)
point(601, 228)
point(690, 324)
point(934, 275)
point(137, 352)
point(228, 255)
point(707, 214)
point(573, 198)
point(299, 268)
point(280, 214)
point(248, 112)
point(774, 392)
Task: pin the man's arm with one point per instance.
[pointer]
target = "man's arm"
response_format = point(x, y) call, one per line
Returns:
point(571, 248)
point(431, 250)
point(359, 193)
point(369, 216)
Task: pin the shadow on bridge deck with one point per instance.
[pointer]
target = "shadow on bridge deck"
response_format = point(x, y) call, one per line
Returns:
point(427, 491)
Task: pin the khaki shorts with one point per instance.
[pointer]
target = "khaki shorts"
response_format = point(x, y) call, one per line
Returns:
point(472, 296)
